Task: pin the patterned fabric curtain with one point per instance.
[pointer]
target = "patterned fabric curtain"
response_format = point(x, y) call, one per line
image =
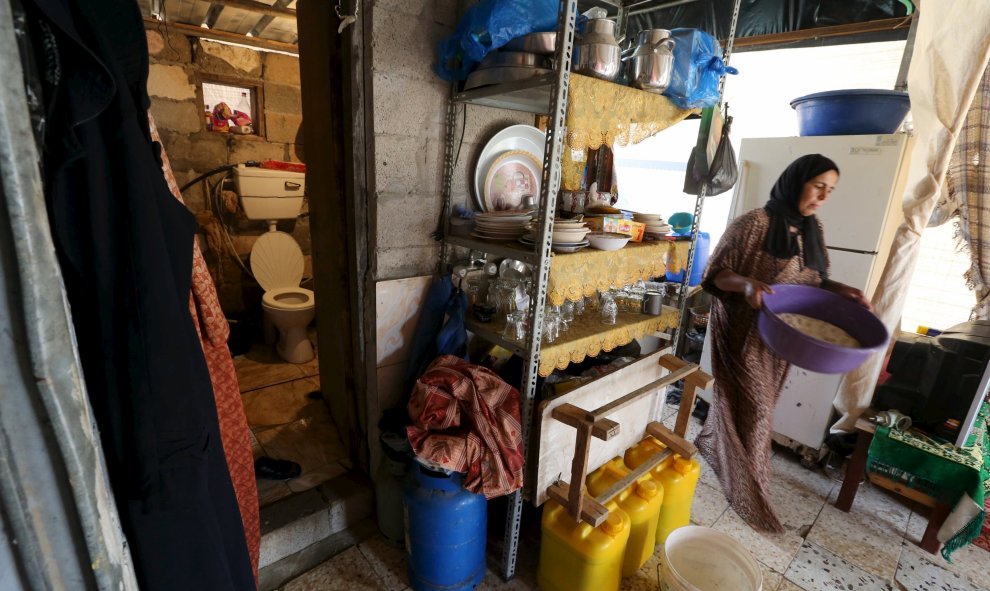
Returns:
point(969, 186)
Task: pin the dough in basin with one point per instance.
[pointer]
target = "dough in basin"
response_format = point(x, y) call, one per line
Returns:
point(819, 329)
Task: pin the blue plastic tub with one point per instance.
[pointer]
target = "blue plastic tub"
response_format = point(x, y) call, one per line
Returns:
point(851, 112)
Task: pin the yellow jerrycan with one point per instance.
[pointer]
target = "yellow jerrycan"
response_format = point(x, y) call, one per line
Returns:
point(641, 501)
point(679, 478)
point(574, 556)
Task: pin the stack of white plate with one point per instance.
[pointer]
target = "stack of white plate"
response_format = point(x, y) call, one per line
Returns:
point(655, 224)
point(501, 225)
point(568, 236)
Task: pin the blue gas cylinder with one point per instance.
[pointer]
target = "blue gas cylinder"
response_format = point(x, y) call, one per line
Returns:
point(445, 532)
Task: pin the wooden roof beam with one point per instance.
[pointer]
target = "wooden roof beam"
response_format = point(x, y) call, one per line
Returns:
point(876, 26)
point(194, 31)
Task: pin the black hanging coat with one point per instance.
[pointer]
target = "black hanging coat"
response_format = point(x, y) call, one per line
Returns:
point(125, 246)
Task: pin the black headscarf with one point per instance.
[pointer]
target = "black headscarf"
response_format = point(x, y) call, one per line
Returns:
point(783, 208)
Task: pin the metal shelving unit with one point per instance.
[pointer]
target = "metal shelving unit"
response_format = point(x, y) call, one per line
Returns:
point(541, 95)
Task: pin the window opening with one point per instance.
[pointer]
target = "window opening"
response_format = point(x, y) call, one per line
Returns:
point(229, 108)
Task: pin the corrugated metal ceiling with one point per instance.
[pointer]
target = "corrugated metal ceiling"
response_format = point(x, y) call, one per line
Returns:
point(230, 19)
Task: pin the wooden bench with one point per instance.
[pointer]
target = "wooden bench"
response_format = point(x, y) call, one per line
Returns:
point(855, 472)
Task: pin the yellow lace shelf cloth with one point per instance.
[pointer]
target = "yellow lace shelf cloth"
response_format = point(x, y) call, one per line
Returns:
point(588, 337)
point(577, 275)
point(600, 112)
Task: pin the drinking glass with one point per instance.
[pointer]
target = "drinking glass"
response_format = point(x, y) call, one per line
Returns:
point(610, 310)
point(566, 314)
point(515, 326)
point(551, 326)
point(579, 307)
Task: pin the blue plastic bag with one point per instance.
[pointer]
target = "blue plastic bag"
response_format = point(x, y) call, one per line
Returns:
point(698, 68)
point(488, 25)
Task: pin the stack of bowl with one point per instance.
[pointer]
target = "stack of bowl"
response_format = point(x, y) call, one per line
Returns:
point(568, 235)
point(655, 224)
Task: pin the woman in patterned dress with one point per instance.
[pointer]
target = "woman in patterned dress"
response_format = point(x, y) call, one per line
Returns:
point(781, 242)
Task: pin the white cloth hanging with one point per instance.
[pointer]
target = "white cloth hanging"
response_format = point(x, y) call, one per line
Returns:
point(951, 51)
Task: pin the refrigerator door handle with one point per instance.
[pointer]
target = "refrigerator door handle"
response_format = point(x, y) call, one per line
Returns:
point(852, 250)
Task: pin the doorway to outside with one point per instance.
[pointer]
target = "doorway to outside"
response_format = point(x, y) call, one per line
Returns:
point(650, 174)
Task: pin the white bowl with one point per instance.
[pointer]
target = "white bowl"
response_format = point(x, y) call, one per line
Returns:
point(568, 235)
point(608, 240)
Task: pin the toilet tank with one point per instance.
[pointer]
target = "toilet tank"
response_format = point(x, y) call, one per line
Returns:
point(269, 194)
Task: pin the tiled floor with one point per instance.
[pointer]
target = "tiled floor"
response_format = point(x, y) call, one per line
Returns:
point(288, 420)
point(823, 549)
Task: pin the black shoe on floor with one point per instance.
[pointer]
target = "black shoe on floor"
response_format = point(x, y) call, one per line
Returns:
point(271, 469)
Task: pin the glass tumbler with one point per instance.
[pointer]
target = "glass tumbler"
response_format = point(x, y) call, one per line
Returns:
point(610, 310)
point(566, 315)
point(515, 326)
point(551, 326)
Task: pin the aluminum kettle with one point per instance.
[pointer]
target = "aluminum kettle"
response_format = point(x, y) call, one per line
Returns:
point(596, 51)
point(651, 64)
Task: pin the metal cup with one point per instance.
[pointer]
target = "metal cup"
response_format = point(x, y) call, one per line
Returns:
point(653, 303)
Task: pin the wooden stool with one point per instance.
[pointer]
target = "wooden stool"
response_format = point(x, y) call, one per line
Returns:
point(856, 470)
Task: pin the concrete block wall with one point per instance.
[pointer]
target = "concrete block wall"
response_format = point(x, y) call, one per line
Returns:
point(178, 66)
point(410, 107)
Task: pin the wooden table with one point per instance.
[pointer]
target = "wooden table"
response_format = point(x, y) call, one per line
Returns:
point(855, 472)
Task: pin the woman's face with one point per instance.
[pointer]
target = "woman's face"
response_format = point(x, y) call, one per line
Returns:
point(816, 191)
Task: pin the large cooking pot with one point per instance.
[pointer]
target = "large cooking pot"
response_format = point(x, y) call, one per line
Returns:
point(596, 51)
point(650, 65)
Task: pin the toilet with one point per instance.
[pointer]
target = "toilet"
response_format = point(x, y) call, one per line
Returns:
point(276, 260)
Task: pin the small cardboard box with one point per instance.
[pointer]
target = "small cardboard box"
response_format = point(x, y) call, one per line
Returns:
point(618, 225)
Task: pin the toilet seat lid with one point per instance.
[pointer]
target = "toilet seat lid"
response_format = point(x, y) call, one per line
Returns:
point(277, 261)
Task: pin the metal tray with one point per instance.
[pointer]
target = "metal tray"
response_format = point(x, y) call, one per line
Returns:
point(501, 74)
point(518, 59)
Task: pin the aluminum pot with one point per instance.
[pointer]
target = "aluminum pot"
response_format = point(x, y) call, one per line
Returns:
point(651, 64)
point(596, 52)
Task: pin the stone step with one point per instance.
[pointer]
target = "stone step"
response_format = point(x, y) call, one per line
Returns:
point(304, 529)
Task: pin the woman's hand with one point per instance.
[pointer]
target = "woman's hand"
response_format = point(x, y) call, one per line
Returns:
point(849, 292)
point(753, 291)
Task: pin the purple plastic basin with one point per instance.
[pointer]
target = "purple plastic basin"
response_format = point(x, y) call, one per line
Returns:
point(808, 352)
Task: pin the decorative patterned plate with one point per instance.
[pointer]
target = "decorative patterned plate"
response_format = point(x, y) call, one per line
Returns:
point(514, 175)
point(516, 137)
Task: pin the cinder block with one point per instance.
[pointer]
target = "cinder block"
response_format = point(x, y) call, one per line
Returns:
point(283, 98)
point(244, 149)
point(181, 116)
point(399, 263)
point(404, 164)
point(281, 68)
point(170, 82)
point(283, 128)
point(217, 58)
point(408, 106)
point(167, 45)
point(200, 151)
point(404, 46)
point(407, 7)
point(406, 220)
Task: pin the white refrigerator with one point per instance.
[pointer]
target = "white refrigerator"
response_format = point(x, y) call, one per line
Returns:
point(860, 219)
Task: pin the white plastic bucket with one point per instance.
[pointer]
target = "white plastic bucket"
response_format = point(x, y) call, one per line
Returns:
point(701, 559)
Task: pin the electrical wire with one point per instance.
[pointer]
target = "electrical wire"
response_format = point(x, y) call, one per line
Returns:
point(217, 203)
point(217, 170)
